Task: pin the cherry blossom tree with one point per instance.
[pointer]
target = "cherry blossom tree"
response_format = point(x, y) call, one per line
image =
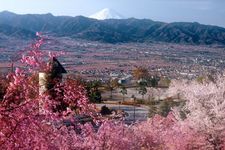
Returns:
point(204, 108)
point(21, 124)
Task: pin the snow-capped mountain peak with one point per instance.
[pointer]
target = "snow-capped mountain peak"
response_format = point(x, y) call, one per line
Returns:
point(106, 14)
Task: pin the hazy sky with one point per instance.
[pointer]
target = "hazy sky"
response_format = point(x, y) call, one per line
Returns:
point(202, 11)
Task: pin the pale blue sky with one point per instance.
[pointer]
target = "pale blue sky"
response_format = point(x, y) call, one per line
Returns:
point(202, 11)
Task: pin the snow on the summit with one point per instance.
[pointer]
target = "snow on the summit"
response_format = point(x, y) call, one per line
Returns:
point(106, 14)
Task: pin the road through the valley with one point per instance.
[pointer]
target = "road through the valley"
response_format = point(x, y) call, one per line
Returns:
point(134, 113)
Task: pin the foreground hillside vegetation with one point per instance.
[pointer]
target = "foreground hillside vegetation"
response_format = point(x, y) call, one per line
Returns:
point(29, 120)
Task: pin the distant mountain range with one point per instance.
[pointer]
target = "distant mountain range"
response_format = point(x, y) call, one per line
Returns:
point(109, 30)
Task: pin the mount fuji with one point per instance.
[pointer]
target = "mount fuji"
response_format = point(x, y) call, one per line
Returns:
point(106, 14)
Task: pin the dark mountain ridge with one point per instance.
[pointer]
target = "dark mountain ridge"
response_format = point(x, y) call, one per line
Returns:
point(111, 30)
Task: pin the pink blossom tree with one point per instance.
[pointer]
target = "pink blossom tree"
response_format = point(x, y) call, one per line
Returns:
point(21, 124)
point(204, 108)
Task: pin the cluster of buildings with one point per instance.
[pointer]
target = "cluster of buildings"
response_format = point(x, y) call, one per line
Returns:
point(94, 60)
